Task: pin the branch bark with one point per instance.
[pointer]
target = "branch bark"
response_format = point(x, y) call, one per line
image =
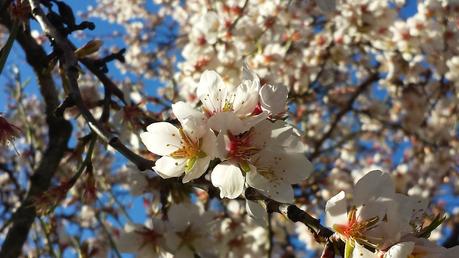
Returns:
point(69, 63)
point(348, 107)
point(59, 134)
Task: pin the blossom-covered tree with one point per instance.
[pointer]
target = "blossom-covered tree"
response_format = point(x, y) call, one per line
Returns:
point(245, 128)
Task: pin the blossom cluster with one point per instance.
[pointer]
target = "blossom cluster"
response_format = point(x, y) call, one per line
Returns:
point(190, 230)
point(375, 221)
point(238, 126)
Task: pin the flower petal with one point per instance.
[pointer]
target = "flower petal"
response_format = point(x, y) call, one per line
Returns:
point(161, 138)
point(229, 179)
point(212, 91)
point(336, 210)
point(273, 98)
point(403, 249)
point(227, 121)
point(273, 188)
point(168, 167)
point(192, 121)
point(198, 169)
point(375, 184)
point(246, 98)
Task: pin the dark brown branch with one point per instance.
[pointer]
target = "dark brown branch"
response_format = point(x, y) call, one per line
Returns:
point(59, 135)
point(293, 213)
point(344, 110)
point(69, 63)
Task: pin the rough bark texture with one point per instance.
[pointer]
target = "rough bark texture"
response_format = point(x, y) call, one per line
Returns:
point(59, 135)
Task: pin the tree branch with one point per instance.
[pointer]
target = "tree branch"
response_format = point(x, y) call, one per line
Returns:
point(70, 63)
point(59, 135)
point(348, 107)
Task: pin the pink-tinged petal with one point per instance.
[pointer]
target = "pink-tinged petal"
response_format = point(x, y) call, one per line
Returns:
point(246, 98)
point(212, 91)
point(161, 138)
point(168, 167)
point(229, 179)
point(336, 210)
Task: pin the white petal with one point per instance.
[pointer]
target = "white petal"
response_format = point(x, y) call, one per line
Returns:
point(251, 121)
point(199, 168)
point(246, 98)
point(221, 144)
point(229, 179)
point(161, 138)
point(262, 134)
point(180, 215)
point(209, 144)
point(192, 121)
point(273, 98)
point(400, 250)
point(248, 74)
point(212, 91)
point(168, 167)
point(336, 210)
point(275, 189)
point(289, 167)
point(296, 167)
point(227, 121)
point(373, 185)
point(184, 252)
point(361, 252)
point(129, 241)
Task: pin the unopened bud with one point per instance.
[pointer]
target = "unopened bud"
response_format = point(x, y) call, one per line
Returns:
point(90, 48)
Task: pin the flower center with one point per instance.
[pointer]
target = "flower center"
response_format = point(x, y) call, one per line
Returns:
point(354, 229)
point(190, 150)
point(188, 235)
point(240, 148)
point(152, 238)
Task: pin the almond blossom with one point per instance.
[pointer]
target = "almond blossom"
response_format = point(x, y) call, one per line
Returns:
point(189, 231)
point(224, 104)
point(185, 150)
point(145, 241)
point(376, 216)
point(261, 159)
point(419, 247)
